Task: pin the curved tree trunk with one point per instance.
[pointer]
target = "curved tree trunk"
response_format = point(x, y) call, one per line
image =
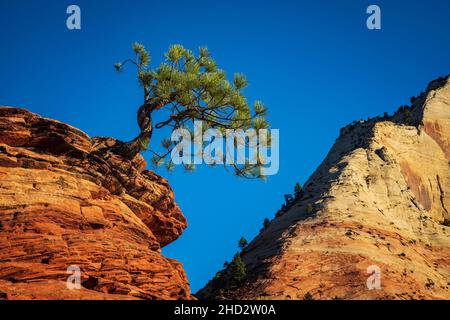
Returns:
point(133, 147)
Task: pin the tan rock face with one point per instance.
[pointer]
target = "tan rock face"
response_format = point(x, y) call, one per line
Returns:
point(381, 198)
point(65, 200)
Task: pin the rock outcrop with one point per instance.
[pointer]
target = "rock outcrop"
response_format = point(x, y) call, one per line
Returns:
point(380, 201)
point(66, 201)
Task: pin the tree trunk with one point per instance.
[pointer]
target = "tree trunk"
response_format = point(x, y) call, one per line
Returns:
point(132, 148)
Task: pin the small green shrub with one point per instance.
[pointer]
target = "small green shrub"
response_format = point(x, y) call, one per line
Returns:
point(288, 198)
point(309, 208)
point(237, 269)
point(242, 243)
point(298, 191)
point(308, 296)
point(266, 223)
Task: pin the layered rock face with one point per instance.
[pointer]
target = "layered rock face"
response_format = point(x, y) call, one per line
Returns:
point(66, 201)
point(380, 202)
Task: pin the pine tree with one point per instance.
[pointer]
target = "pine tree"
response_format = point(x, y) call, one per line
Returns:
point(298, 191)
point(242, 243)
point(309, 208)
point(188, 87)
point(266, 223)
point(237, 269)
point(408, 116)
point(288, 198)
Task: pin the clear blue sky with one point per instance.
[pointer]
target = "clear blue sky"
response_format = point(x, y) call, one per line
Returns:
point(314, 64)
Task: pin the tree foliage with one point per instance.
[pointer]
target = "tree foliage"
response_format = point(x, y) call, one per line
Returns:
point(188, 87)
point(242, 243)
point(288, 198)
point(298, 190)
point(309, 208)
point(266, 223)
point(237, 269)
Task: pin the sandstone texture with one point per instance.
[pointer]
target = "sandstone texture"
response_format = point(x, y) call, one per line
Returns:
point(65, 200)
point(380, 198)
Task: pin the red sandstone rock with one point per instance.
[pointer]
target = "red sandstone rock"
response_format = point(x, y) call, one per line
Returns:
point(65, 200)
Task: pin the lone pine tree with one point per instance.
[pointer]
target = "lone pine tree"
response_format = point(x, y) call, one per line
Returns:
point(266, 223)
point(237, 269)
point(298, 191)
point(185, 88)
point(242, 243)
